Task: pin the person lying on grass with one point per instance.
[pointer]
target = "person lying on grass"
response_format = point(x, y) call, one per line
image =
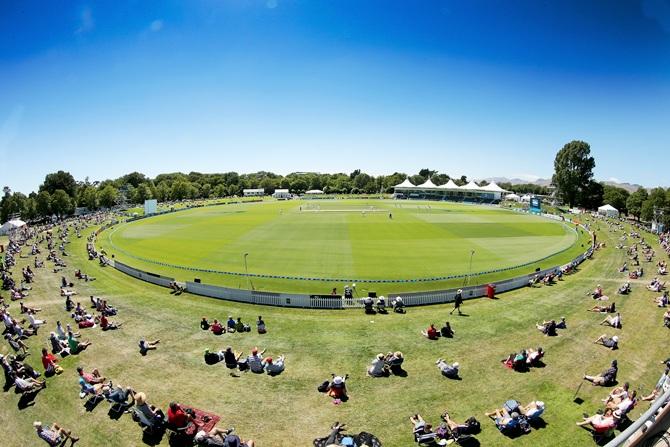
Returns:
point(55, 435)
point(26, 384)
point(617, 394)
point(610, 308)
point(614, 321)
point(449, 370)
point(601, 423)
point(597, 292)
point(119, 394)
point(606, 378)
point(146, 346)
point(26, 309)
point(625, 404)
point(91, 378)
point(609, 342)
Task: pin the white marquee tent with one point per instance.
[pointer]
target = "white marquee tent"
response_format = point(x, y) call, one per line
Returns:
point(513, 197)
point(11, 225)
point(608, 210)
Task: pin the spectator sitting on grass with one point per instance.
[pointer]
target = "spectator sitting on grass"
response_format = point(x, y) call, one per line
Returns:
point(75, 345)
point(274, 367)
point(601, 423)
point(607, 378)
point(54, 435)
point(216, 328)
point(378, 367)
point(204, 324)
point(107, 325)
point(92, 378)
point(231, 324)
point(448, 370)
point(260, 325)
point(255, 361)
point(614, 321)
point(609, 342)
point(430, 333)
point(446, 330)
point(547, 328)
point(146, 346)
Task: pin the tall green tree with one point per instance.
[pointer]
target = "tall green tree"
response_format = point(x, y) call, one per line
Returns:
point(61, 203)
point(108, 196)
point(60, 180)
point(88, 197)
point(635, 201)
point(616, 197)
point(573, 172)
point(43, 204)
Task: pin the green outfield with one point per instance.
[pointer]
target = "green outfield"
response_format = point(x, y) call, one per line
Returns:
point(343, 240)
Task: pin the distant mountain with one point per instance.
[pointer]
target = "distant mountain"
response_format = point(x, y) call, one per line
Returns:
point(517, 181)
point(630, 187)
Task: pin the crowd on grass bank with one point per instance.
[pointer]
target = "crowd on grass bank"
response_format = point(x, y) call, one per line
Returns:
point(189, 425)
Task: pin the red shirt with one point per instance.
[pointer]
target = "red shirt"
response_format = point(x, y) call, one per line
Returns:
point(432, 332)
point(177, 418)
point(103, 322)
point(217, 328)
point(48, 359)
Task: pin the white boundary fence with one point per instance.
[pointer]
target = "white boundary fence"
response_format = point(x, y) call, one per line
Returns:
point(337, 302)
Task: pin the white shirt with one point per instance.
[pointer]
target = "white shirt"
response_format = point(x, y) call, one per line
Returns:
point(377, 367)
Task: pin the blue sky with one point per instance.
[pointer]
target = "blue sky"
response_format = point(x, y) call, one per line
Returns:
point(481, 88)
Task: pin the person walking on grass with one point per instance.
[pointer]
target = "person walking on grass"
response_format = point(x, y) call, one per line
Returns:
point(458, 300)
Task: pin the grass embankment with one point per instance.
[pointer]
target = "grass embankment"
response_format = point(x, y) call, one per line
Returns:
point(287, 410)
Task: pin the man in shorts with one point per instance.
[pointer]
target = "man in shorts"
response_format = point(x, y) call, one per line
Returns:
point(54, 435)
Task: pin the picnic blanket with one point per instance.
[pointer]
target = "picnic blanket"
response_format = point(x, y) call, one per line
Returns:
point(203, 421)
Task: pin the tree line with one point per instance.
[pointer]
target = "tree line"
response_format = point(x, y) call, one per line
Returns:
point(60, 193)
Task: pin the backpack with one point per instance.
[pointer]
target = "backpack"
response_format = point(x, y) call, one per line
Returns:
point(368, 439)
point(524, 425)
point(473, 425)
point(323, 387)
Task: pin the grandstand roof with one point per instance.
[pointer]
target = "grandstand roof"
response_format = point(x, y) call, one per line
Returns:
point(471, 186)
point(406, 184)
point(493, 187)
point(449, 185)
point(427, 184)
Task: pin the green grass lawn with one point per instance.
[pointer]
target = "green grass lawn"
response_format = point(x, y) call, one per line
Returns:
point(288, 411)
point(345, 239)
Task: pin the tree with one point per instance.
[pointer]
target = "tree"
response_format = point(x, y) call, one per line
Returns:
point(592, 195)
point(616, 197)
point(635, 201)
point(12, 204)
point(647, 210)
point(220, 191)
point(61, 203)
point(108, 196)
point(43, 205)
point(88, 197)
point(573, 172)
point(60, 180)
point(142, 193)
point(180, 190)
point(427, 173)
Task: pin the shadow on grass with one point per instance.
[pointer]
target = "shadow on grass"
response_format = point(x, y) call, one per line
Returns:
point(27, 399)
point(538, 423)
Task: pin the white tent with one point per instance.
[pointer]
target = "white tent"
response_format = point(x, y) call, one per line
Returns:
point(427, 184)
point(406, 184)
point(492, 187)
point(513, 197)
point(471, 186)
point(314, 191)
point(608, 210)
point(449, 185)
point(526, 198)
point(11, 225)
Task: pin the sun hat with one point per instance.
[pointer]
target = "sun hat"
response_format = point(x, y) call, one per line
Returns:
point(338, 380)
point(539, 404)
point(615, 339)
point(200, 436)
point(37, 424)
point(456, 365)
point(617, 414)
